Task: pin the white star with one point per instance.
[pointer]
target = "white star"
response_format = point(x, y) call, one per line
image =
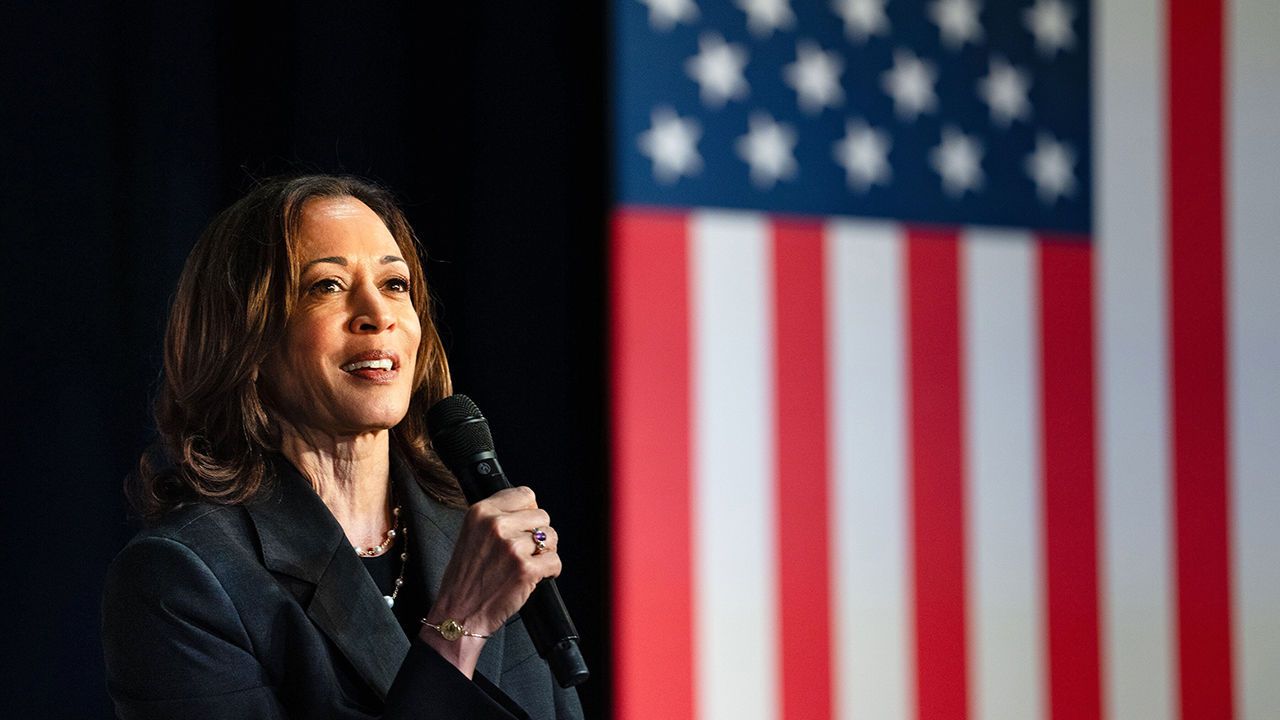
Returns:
point(765, 16)
point(957, 22)
point(1050, 22)
point(1004, 90)
point(768, 148)
point(862, 18)
point(717, 68)
point(672, 143)
point(664, 14)
point(815, 76)
point(958, 159)
point(1050, 167)
point(864, 155)
point(910, 83)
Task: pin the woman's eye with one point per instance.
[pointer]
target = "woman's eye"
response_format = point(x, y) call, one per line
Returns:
point(398, 284)
point(328, 285)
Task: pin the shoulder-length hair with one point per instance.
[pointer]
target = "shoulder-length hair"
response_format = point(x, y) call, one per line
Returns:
point(235, 296)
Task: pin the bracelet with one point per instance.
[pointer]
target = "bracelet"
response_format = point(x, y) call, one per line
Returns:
point(451, 630)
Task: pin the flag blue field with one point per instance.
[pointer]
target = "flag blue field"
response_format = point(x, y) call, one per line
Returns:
point(962, 114)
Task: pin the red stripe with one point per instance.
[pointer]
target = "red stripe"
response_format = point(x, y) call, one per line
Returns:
point(937, 486)
point(1070, 492)
point(653, 647)
point(801, 493)
point(1198, 356)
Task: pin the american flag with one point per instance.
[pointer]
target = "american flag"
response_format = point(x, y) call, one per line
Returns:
point(946, 359)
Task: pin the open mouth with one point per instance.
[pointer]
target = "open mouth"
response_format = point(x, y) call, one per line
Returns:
point(375, 365)
point(381, 364)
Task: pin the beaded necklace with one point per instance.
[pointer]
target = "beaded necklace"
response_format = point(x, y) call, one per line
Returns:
point(385, 545)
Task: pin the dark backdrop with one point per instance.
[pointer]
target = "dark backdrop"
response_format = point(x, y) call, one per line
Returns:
point(125, 126)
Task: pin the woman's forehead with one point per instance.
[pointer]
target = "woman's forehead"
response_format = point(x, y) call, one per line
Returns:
point(342, 227)
point(336, 207)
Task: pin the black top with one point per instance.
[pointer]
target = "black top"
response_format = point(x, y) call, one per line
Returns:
point(384, 569)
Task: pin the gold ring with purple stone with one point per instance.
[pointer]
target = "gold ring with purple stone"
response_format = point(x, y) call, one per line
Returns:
point(539, 540)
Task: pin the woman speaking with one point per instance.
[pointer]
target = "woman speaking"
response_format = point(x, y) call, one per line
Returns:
point(308, 555)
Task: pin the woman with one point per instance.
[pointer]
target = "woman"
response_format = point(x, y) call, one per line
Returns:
point(308, 555)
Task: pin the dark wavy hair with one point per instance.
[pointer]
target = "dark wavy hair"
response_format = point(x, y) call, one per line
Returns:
point(236, 294)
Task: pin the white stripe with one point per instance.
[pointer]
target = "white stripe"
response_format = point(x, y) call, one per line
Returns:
point(873, 630)
point(1005, 580)
point(1136, 587)
point(1253, 296)
point(733, 441)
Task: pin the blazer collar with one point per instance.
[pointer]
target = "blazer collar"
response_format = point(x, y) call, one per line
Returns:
point(301, 538)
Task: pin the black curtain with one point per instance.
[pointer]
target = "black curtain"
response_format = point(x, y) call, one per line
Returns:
point(125, 126)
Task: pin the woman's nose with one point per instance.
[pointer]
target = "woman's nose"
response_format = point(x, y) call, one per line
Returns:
point(371, 312)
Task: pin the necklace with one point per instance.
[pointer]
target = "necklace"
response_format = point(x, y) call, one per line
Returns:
point(385, 545)
point(404, 563)
point(382, 547)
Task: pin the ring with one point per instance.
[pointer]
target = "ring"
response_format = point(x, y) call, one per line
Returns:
point(539, 540)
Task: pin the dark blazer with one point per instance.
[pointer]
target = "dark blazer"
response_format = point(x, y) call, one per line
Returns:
point(264, 611)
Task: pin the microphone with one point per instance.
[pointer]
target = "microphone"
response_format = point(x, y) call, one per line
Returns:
point(461, 437)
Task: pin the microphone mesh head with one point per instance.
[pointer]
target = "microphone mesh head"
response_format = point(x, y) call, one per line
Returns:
point(451, 411)
point(458, 430)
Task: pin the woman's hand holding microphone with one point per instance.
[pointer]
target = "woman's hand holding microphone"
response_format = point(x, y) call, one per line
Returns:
point(506, 546)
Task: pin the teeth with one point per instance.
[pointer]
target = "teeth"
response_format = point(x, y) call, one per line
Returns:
point(383, 364)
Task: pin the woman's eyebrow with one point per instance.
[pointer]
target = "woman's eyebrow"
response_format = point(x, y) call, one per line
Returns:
point(335, 260)
point(385, 259)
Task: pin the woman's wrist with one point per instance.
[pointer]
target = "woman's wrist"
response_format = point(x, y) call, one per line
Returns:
point(452, 630)
point(463, 652)
point(454, 633)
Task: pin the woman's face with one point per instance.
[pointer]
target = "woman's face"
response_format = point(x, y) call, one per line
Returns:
point(345, 365)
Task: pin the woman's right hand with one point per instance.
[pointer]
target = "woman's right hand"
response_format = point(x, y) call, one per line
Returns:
point(495, 565)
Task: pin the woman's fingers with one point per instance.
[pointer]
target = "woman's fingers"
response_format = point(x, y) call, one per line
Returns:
point(545, 539)
point(525, 535)
point(506, 546)
point(512, 499)
point(514, 516)
point(514, 524)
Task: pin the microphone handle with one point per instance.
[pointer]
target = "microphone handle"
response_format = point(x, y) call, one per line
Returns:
point(544, 613)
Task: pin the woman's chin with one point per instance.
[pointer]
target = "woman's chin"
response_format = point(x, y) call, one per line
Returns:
point(348, 426)
point(373, 423)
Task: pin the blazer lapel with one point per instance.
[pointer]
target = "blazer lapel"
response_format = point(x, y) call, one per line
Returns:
point(435, 529)
point(301, 538)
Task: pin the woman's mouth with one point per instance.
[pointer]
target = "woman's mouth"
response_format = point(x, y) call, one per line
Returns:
point(383, 364)
point(376, 366)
